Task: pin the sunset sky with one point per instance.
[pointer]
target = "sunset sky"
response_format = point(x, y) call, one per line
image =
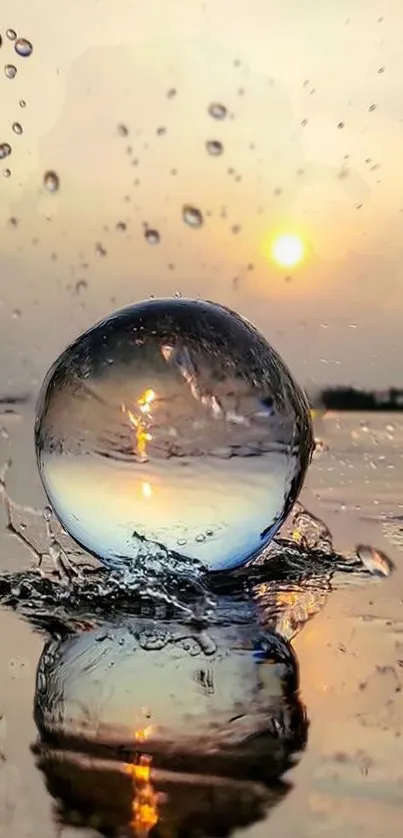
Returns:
point(312, 145)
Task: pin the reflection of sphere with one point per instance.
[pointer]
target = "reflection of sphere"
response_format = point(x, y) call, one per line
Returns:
point(172, 421)
point(215, 713)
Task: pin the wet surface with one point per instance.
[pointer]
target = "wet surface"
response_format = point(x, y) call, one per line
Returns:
point(110, 750)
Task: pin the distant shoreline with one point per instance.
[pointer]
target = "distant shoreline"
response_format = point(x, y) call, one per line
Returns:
point(351, 399)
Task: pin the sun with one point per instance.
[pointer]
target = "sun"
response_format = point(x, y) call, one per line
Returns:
point(288, 250)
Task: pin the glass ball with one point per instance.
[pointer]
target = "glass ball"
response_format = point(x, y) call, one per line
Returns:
point(172, 421)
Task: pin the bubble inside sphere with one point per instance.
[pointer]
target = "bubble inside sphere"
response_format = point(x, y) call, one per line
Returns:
point(172, 421)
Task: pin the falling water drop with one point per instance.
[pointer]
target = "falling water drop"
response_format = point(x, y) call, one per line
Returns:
point(214, 147)
point(192, 216)
point(152, 236)
point(217, 111)
point(5, 150)
point(10, 71)
point(51, 181)
point(23, 47)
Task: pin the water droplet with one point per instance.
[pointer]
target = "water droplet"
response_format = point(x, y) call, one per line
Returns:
point(214, 147)
point(6, 172)
point(81, 285)
point(48, 513)
point(11, 34)
point(23, 47)
point(10, 71)
point(16, 314)
point(51, 181)
point(152, 236)
point(121, 226)
point(100, 249)
point(161, 131)
point(17, 128)
point(381, 70)
point(5, 150)
point(217, 111)
point(192, 216)
point(340, 125)
point(171, 93)
point(372, 108)
point(123, 130)
point(136, 398)
point(22, 103)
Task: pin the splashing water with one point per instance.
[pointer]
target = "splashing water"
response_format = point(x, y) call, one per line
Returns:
point(172, 430)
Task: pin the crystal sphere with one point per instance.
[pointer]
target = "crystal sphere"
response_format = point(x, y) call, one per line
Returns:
point(172, 421)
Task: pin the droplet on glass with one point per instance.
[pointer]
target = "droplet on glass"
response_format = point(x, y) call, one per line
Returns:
point(192, 216)
point(161, 131)
point(5, 150)
point(217, 111)
point(51, 181)
point(123, 130)
point(139, 396)
point(381, 70)
point(10, 71)
point(17, 128)
point(214, 147)
point(121, 226)
point(23, 47)
point(152, 236)
point(11, 34)
point(171, 93)
point(340, 125)
point(372, 108)
point(22, 103)
point(6, 172)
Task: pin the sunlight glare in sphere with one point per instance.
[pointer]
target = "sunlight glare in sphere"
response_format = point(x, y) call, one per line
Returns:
point(288, 250)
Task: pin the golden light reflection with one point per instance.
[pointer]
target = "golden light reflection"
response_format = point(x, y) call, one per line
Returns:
point(145, 798)
point(287, 250)
point(140, 425)
point(146, 489)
